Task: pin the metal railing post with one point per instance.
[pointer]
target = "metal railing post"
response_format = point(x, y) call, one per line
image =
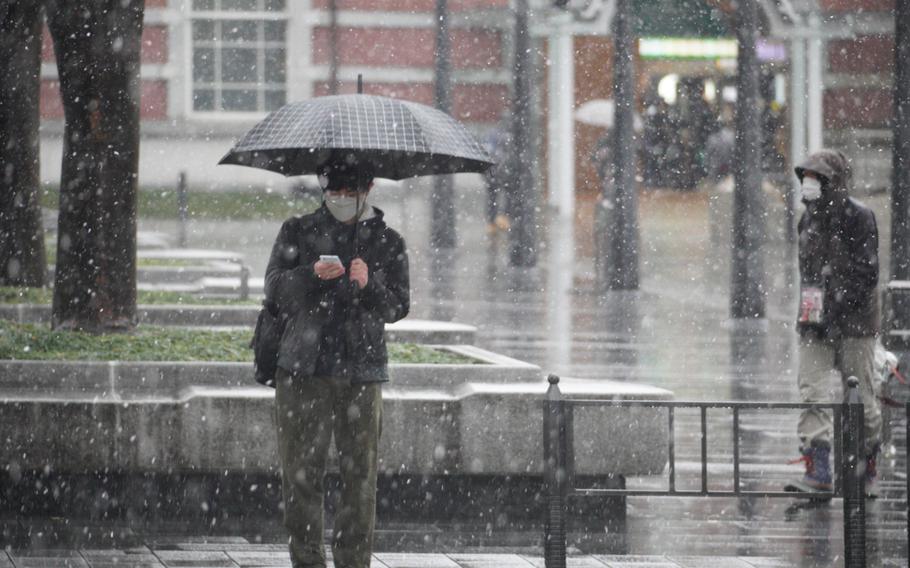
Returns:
point(182, 209)
point(554, 451)
point(244, 282)
point(852, 472)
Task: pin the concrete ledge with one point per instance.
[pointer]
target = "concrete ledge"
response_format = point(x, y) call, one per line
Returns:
point(483, 419)
point(406, 330)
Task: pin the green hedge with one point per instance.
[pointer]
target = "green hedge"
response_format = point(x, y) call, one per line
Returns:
point(162, 204)
point(148, 343)
point(14, 295)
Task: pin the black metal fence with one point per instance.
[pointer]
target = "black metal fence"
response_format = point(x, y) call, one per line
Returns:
point(849, 458)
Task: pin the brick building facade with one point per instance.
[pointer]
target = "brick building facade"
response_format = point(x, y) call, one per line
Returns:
point(858, 87)
point(212, 68)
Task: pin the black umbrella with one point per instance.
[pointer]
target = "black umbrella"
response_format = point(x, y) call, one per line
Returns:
point(399, 138)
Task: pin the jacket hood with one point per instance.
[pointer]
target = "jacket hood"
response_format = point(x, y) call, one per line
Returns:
point(833, 166)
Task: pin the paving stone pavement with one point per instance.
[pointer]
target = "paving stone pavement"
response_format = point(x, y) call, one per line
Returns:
point(238, 553)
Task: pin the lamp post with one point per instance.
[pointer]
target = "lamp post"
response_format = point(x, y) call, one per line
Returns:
point(442, 218)
point(747, 300)
point(900, 161)
point(522, 201)
point(622, 273)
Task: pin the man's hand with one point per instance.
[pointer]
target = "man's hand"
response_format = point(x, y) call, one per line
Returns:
point(328, 270)
point(360, 273)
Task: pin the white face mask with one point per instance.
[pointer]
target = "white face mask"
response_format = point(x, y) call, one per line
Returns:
point(344, 207)
point(812, 189)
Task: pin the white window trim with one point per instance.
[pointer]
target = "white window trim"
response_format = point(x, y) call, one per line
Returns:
point(221, 116)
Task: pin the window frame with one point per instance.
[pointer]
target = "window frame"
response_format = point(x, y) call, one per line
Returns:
point(260, 45)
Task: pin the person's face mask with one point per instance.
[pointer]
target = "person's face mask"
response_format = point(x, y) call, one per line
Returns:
point(343, 206)
point(811, 189)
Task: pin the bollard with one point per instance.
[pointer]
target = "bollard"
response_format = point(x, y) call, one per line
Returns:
point(852, 473)
point(244, 282)
point(182, 209)
point(554, 454)
point(907, 461)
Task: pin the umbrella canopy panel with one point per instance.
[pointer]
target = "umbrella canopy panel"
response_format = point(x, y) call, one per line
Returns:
point(400, 139)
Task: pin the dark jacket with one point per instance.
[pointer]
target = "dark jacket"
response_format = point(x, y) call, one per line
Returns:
point(313, 306)
point(838, 252)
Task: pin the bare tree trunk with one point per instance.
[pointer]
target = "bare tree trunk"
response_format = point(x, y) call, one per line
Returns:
point(22, 258)
point(97, 48)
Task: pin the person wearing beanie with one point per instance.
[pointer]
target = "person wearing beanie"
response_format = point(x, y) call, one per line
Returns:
point(338, 275)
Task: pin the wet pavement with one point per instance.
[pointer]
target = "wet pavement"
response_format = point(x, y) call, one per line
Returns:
point(673, 333)
point(238, 553)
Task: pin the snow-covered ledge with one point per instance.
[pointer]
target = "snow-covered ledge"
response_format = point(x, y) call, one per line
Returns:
point(484, 418)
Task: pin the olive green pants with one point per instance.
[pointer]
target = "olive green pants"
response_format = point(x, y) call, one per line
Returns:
point(824, 367)
point(308, 412)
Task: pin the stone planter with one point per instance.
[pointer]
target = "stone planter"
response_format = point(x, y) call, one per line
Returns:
point(481, 419)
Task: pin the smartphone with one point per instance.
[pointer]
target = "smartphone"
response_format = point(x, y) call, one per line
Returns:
point(330, 258)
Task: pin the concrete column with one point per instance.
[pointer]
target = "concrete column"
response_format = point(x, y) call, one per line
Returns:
point(523, 199)
point(560, 130)
point(815, 88)
point(900, 192)
point(797, 100)
point(622, 273)
point(333, 47)
point(797, 123)
point(442, 233)
point(747, 294)
point(302, 73)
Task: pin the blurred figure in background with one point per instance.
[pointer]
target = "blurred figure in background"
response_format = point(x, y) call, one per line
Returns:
point(498, 144)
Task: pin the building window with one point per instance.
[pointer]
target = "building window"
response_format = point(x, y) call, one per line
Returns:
point(239, 61)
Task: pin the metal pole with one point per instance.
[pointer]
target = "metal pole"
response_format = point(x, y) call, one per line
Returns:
point(333, 47)
point(900, 163)
point(623, 272)
point(853, 479)
point(522, 201)
point(561, 135)
point(797, 125)
point(182, 209)
point(442, 219)
point(554, 454)
point(815, 87)
point(747, 288)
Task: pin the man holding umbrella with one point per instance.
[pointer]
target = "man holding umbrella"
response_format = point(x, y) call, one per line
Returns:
point(332, 359)
point(338, 276)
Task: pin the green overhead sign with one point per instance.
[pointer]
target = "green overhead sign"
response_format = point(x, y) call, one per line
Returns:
point(678, 18)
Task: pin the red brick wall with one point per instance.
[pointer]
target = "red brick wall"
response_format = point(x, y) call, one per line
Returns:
point(377, 46)
point(857, 108)
point(409, 5)
point(865, 54)
point(51, 105)
point(408, 47)
point(47, 46)
point(479, 103)
point(857, 5)
point(471, 103)
point(153, 99)
point(154, 45)
point(154, 92)
point(417, 92)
